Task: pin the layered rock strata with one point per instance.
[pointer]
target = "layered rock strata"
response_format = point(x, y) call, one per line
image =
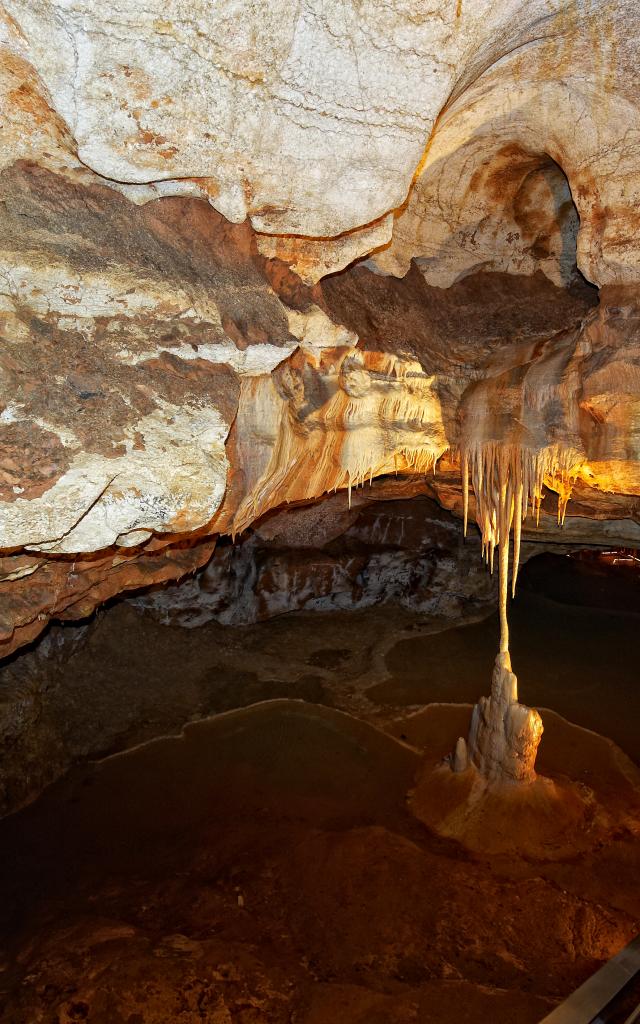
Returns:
point(329, 557)
point(177, 360)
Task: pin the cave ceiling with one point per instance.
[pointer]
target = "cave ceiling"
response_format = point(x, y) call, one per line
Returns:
point(252, 254)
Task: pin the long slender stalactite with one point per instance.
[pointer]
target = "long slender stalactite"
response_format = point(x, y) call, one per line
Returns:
point(508, 482)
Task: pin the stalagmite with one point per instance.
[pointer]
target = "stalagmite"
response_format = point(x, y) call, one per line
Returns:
point(504, 735)
point(460, 756)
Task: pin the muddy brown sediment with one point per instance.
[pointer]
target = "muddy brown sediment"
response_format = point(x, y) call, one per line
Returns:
point(264, 866)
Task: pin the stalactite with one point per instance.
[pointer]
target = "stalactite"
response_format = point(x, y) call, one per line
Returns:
point(507, 480)
point(381, 414)
point(417, 460)
point(465, 489)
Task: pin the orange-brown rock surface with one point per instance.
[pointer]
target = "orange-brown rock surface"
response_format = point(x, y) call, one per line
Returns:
point(265, 865)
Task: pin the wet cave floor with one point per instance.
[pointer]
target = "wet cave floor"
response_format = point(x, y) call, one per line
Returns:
point(264, 866)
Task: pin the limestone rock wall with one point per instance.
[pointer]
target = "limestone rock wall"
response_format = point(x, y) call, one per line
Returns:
point(327, 557)
point(314, 120)
point(178, 182)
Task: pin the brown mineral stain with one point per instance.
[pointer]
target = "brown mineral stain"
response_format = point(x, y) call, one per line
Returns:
point(32, 460)
point(180, 245)
point(27, 96)
point(207, 185)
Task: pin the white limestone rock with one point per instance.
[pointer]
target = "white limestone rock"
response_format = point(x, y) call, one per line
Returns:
point(504, 735)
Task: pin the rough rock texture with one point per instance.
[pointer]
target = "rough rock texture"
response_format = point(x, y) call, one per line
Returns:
point(172, 184)
point(587, 793)
point(315, 120)
point(324, 418)
point(264, 867)
point(180, 362)
point(552, 124)
point(504, 736)
point(325, 557)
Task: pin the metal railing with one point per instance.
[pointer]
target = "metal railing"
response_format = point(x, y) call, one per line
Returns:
point(593, 1002)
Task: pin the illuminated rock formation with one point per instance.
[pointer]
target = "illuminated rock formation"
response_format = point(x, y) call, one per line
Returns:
point(178, 356)
point(551, 816)
point(508, 476)
point(504, 735)
point(314, 122)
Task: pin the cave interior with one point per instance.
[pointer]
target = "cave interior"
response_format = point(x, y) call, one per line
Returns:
point(319, 512)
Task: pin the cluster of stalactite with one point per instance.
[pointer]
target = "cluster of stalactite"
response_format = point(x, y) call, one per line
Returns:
point(508, 482)
point(414, 460)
